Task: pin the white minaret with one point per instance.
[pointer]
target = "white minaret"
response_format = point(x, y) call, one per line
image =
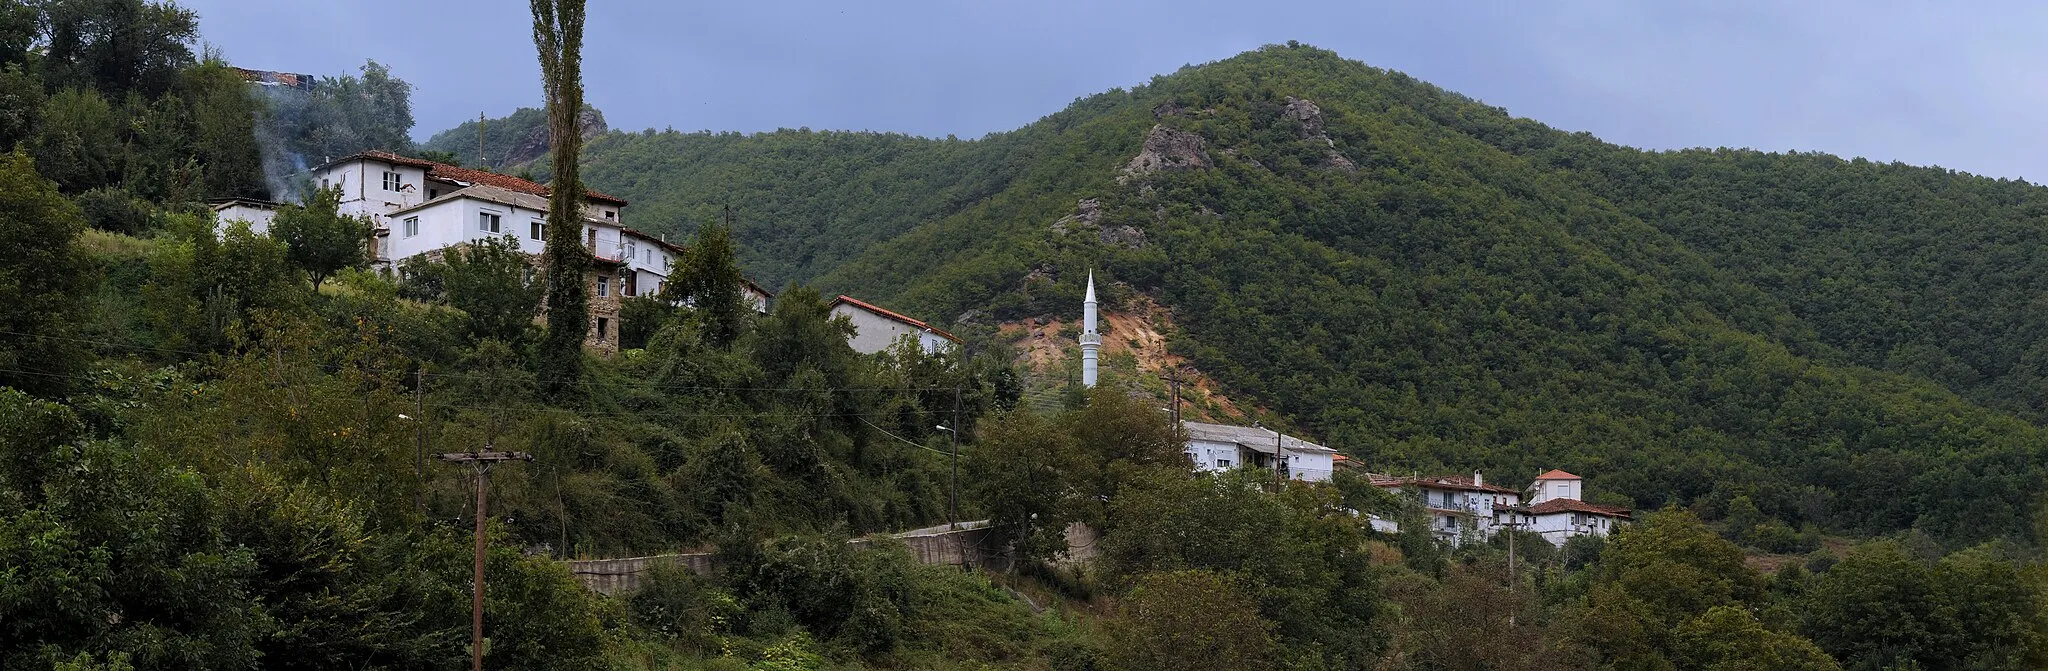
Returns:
point(1090, 342)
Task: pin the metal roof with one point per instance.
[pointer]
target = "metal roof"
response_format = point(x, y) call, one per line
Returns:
point(1252, 438)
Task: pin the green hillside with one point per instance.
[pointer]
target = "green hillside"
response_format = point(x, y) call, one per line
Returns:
point(1429, 282)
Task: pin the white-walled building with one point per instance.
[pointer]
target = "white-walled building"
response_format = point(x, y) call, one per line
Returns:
point(256, 213)
point(1457, 506)
point(876, 328)
point(1556, 511)
point(1221, 447)
point(420, 207)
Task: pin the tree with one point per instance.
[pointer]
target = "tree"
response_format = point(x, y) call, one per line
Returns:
point(118, 46)
point(1877, 609)
point(224, 114)
point(44, 281)
point(1728, 638)
point(319, 239)
point(1190, 620)
point(1021, 471)
point(558, 36)
point(490, 281)
point(1294, 551)
point(1120, 435)
point(77, 141)
point(21, 104)
point(1678, 567)
point(710, 281)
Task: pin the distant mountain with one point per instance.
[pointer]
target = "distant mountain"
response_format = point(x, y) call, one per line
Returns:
point(510, 143)
point(1427, 282)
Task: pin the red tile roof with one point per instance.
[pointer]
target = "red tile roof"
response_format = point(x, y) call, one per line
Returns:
point(892, 315)
point(461, 174)
point(1458, 482)
point(1576, 506)
point(1555, 474)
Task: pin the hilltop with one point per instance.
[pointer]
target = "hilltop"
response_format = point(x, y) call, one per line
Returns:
point(1427, 281)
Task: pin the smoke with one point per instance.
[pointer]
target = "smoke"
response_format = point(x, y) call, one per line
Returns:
point(310, 122)
point(280, 133)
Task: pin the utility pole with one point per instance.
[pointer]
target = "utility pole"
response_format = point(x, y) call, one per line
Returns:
point(419, 437)
point(1279, 463)
point(1174, 378)
point(953, 486)
point(480, 463)
point(479, 140)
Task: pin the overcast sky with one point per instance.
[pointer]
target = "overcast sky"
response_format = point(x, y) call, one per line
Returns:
point(1892, 81)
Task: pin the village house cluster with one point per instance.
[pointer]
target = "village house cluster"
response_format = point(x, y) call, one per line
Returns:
point(422, 208)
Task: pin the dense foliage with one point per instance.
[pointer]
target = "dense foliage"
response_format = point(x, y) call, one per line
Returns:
point(214, 442)
point(1426, 282)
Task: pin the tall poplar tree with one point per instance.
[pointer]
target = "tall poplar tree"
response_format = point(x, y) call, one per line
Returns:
point(558, 35)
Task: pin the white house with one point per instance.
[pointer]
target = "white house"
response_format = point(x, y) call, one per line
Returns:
point(1457, 505)
point(1556, 511)
point(876, 329)
point(420, 207)
point(1221, 447)
point(257, 213)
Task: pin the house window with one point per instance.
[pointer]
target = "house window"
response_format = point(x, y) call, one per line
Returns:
point(611, 214)
point(323, 183)
point(603, 327)
point(433, 193)
point(536, 229)
point(393, 181)
point(412, 226)
point(487, 222)
point(590, 238)
point(1223, 463)
point(604, 286)
point(665, 261)
point(629, 251)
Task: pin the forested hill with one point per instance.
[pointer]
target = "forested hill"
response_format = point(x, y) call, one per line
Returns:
point(1429, 282)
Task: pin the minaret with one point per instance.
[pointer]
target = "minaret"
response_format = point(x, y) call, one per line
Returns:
point(1090, 342)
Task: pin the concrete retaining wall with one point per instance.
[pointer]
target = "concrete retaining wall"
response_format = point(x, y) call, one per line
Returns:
point(967, 547)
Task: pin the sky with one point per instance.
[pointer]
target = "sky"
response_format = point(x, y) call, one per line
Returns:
point(1890, 81)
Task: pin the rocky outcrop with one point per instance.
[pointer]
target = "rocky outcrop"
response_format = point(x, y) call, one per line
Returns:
point(1168, 149)
point(1128, 236)
point(1088, 216)
point(1305, 112)
point(1087, 212)
point(535, 145)
point(1167, 109)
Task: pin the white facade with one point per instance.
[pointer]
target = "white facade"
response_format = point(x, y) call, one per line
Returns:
point(1091, 342)
point(1221, 447)
point(420, 207)
point(1558, 512)
point(1458, 507)
point(876, 329)
point(1461, 508)
point(254, 212)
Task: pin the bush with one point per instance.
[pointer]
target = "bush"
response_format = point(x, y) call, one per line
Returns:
point(116, 210)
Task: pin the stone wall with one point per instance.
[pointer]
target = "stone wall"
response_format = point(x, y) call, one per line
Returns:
point(968, 547)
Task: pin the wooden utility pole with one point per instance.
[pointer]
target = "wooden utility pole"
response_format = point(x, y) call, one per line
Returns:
point(1173, 377)
point(419, 438)
point(480, 140)
point(480, 463)
point(953, 485)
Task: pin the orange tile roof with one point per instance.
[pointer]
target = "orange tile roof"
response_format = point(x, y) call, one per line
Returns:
point(1576, 506)
point(1555, 474)
point(893, 315)
point(461, 174)
point(1458, 482)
